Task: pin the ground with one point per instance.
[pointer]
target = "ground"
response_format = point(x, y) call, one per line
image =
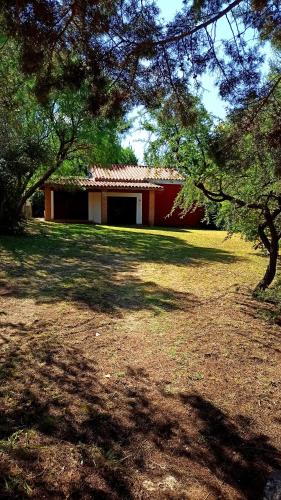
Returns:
point(135, 365)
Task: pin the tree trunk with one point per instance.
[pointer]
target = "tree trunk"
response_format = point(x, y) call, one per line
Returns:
point(271, 268)
point(11, 217)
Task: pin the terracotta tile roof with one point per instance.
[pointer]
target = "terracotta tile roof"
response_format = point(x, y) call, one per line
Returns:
point(134, 173)
point(92, 183)
point(120, 177)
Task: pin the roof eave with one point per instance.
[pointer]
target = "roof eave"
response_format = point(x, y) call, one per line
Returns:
point(105, 186)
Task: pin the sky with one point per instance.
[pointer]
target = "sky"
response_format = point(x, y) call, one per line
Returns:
point(137, 138)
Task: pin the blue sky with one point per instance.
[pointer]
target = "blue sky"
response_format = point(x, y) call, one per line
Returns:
point(137, 138)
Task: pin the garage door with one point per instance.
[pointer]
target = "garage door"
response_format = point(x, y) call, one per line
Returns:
point(121, 210)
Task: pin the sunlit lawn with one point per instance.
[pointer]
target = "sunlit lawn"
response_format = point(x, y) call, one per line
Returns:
point(87, 263)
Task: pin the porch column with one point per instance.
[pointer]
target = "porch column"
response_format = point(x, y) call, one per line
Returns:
point(139, 209)
point(48, 215)
point(94, 207)
point(52, 205)
point(151, 208)
point(90, 206)
point(104, 207)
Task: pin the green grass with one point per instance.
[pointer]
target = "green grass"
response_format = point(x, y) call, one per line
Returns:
point(123, 268)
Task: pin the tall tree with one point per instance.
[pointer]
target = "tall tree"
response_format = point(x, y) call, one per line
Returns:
point(37, 141)
point(128, 54)
point(104, 146)
point(67, 42)
point(225, 38)
point(235, 165)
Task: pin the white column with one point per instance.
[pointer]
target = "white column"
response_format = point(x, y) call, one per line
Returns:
point(91, 206)
point(139, 208)
point(94, 207)
point(52, 205)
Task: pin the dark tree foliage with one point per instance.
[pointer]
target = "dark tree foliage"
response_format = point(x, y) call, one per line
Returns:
point(130, 56)
point(38, 141)
point(225, 38)
point(67, 42)
point(19, 158)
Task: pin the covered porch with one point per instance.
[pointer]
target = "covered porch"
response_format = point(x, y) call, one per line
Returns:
point(112, 207)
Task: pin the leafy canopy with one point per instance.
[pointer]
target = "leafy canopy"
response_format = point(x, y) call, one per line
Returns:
point(234, 166)
point(37, 141)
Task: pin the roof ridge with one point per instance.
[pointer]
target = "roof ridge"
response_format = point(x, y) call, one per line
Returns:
point(131, 165)
point(125, 173)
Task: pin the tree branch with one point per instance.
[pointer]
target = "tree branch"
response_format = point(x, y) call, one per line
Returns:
point(211, 20)
point(221, 196)
point(65, 147)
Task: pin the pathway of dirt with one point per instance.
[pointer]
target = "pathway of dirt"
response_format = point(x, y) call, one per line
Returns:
point(140, 406)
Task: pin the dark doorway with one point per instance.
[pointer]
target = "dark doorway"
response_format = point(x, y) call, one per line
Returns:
point(121, 210)
point(71, 205)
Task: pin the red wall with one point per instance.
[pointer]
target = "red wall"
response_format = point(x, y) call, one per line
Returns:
point(164, 201)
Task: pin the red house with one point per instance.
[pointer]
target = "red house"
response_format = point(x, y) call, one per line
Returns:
point(119, 195)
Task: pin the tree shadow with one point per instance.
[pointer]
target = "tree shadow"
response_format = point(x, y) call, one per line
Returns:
point(95, 267)
point(263, 311)
point(230, 448)
point(67, 431)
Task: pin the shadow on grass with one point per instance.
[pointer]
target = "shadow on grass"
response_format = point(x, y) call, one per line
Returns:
point(230, 448)
point(270, 313)
point(68, 432)
point(94, 266)
point(267, 305)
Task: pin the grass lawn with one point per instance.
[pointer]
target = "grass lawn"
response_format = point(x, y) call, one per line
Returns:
point(135, 365)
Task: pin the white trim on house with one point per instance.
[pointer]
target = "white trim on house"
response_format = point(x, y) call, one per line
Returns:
point(52, 205)
point(138, 197)
point(94, 206)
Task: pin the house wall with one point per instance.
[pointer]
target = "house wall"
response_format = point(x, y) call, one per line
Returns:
point(95, 203)
point(94, 206)
point(164, 201)
point(125, 194)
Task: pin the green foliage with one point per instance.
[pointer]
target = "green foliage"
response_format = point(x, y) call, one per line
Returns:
point(66, 44)
point(225, 158)
point(19, 158)
point(103, 138)
point(178, 133)
point(36, 140)
point(235, 165)
point(128, 54)
point(184, 146)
